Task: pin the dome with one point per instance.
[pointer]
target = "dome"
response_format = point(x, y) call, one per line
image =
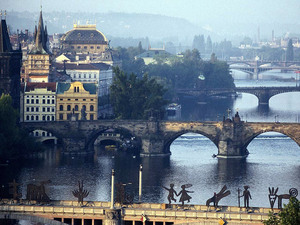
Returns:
point(84, 34)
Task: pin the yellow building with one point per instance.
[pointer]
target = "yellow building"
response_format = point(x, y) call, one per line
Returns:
point(37, 65)
point(76, 101)
point(84, 39)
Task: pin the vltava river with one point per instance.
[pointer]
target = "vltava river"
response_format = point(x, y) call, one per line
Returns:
point(274, 160)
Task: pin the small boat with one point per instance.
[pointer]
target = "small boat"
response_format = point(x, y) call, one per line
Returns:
point(110, 147)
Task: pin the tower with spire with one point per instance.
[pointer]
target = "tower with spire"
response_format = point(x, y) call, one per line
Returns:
point(10, 64)
point(37, 67)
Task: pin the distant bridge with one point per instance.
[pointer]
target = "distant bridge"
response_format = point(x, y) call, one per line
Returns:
point(154, 138)
point(259, 66)
point(262, 93)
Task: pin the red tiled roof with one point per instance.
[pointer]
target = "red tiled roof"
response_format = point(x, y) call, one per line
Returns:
point(31, 86)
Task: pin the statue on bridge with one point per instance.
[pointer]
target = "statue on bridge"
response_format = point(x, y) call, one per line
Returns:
point(171, 194)
point(293, 192)
point(37, 192)
point(122, 197)
point(80, 193)
point(13, 190)
point(217, 197)
point(247, 196)
point(184, 194)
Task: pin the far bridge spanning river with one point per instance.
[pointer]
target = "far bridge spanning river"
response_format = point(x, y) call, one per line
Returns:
point(231, 136)
point(262, 93)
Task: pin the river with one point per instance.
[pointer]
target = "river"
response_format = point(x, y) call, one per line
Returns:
point(273, 161)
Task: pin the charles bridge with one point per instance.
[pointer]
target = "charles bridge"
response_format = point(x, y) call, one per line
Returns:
point(262, 93)
point(231, 136)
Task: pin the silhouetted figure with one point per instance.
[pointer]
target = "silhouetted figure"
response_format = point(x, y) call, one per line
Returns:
point(184, 195)
point(171, 193)
point(246, 195)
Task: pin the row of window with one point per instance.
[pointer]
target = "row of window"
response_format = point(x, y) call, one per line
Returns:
point(43, 134)
point(32, 96)
point(76, 99)
point(76, 108)
point(84, 75)
point(85, 47)
point(37, 101)
point(40, 118)
point(36, 109)
point(88, 117)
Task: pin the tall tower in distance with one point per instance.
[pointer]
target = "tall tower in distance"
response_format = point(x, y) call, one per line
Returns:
point(37, 68)
point(10, 64)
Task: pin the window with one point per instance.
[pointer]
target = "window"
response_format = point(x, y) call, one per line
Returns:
point(44, 109)
point(27, 101)
point(27, 109)
point(68, 108)
point(32, 101)
point(61, 116)
point(37, 101)
point(48, 118)
point(90, 75)
point(43, 118)
point(44, 101)
point(32, 109)
point(84, 107)
point(92, 47)
point(98, 47)
point(27, 117)
point(52, 118)
point(53, 101)
point(53, 109)
point(36, 133)
point(37, 109)
point(76, 107)
point(84, 76)
point(91, 108)
point(74, 89)
point(84, 99)
point(91, 117)
point(94, 75)
point(48, 109)
point(43, 134)
point(85, 47)
point(61, 108)
point(36, 117)
point(74, 75)
point(32, 117)
point(48, 101)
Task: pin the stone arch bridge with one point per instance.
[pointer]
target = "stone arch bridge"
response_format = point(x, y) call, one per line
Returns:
point(262, 93)
point(155, 137)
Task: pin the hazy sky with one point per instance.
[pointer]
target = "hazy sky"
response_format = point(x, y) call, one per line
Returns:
point(198, 11)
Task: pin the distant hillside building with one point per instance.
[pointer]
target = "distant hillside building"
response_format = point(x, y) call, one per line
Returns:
point(10, 64)
point(151, 54)
point(76, 101)
point(37, 66)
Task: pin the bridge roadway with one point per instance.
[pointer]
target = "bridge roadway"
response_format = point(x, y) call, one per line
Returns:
point(154, 138)
point(262, 93)
point(100, 213)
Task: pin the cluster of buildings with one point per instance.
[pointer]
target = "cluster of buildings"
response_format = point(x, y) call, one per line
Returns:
point(66, 83)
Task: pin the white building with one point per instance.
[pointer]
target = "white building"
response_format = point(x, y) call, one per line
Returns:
point(39, 100)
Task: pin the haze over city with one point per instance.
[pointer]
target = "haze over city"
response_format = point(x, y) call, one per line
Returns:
point(223, 18)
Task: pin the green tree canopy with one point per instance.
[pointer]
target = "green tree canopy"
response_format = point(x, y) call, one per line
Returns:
point(134, 98)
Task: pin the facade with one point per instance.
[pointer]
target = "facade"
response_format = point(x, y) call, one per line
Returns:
point(99, 73)
point(39, 100)
point(84, 39)
point(10, 64)
point(37, 65)
point(76, 101)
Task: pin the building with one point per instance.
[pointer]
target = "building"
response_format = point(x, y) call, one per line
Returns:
point(39, 101)
point(84, 39)
point(37, 65)
point(152, 54)
point(99, 73)
point(76, 101)
point(10, 64)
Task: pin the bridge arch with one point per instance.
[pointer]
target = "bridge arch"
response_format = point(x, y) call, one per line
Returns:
point(43, 134)
point(250, 138)
point(123, 134)
point(171, 138)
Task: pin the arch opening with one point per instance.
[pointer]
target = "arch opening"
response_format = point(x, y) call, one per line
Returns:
point(110, 139)
point(44, 136)
point(272, 144)
point(190, 143)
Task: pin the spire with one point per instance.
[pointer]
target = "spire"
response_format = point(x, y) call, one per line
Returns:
point(41, 37)
point(35, 32)
point(5, 45)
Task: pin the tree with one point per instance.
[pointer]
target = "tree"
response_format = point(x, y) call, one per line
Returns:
point(134, 98)
point(199, 43)
point(290, 215)
point(208, 47)
point(290, 51)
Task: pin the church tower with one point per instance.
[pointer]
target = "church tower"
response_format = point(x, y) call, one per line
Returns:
point(10, 64)
point(37, 67)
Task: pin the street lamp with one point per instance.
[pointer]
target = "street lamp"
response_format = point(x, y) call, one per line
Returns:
point(140, 182)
